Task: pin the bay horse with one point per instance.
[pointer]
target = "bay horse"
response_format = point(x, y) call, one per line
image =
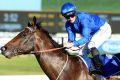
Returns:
point(55, 61)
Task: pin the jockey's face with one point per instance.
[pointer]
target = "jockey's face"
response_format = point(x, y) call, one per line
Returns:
point(71, 18)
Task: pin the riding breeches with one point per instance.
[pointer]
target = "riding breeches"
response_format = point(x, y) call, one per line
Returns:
point(98, 39)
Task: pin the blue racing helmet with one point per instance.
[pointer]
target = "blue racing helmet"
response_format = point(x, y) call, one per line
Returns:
point(68, 8)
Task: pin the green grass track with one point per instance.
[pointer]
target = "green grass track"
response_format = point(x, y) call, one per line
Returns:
point(19, 65)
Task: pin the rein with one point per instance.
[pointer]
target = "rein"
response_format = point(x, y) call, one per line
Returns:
point(49, 50)
point(53, 49)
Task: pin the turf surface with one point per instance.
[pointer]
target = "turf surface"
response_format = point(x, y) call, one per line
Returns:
point(21, 65)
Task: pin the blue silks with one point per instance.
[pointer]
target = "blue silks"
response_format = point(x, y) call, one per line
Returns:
point(110, 66)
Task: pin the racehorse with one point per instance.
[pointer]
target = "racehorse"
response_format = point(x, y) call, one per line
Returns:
point(55, 61)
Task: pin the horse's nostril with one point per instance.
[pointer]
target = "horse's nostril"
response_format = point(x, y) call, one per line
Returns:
point(3, 48)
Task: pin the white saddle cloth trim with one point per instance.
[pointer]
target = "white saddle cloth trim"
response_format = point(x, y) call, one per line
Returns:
point(83, 61)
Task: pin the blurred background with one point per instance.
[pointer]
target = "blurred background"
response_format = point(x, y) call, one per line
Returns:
point(14, 16)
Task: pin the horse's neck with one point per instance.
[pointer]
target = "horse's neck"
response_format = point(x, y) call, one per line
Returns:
point(51, 62)
point(54, 62)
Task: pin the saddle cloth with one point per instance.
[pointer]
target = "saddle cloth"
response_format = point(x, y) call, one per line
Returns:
point(110, 66)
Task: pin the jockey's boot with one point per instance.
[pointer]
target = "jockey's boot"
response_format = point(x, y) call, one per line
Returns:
point(96, 62)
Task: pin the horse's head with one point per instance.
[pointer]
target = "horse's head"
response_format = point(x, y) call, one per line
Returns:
point(23, 43)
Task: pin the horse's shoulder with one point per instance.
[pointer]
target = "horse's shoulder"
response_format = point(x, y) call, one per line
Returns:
point(75, 58)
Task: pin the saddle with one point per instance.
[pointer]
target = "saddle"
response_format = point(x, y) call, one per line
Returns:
point(110, 67)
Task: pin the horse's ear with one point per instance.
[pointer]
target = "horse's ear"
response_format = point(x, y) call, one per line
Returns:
point(34, 20)
point(38, 24)
point(29, 24)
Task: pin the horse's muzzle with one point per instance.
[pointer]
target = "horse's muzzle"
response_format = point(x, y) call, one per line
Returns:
point(5, 53)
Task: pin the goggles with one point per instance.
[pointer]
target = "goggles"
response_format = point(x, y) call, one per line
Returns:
point(68, 15)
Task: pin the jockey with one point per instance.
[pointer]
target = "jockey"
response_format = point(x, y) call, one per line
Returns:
point(93, 29)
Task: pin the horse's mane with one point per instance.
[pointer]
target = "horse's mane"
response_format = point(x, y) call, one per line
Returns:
point(55, 44)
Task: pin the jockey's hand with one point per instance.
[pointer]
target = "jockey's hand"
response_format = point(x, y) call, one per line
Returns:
point(68, 45)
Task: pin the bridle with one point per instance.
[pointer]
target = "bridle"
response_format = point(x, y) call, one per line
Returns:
point(49, 50)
